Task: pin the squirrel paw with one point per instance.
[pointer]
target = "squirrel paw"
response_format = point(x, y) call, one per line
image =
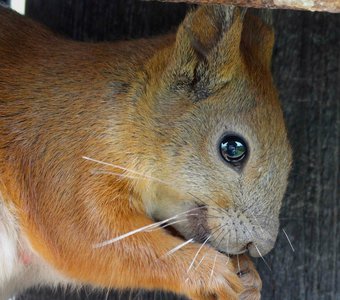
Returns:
point(249, 278)
point(216, 278)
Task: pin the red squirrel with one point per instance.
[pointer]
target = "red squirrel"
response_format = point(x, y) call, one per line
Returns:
point(154, 163)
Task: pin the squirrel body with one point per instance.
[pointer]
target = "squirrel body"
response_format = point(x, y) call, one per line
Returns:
point(102, 141)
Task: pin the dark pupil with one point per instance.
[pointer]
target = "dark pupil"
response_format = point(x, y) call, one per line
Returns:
point(233, 149)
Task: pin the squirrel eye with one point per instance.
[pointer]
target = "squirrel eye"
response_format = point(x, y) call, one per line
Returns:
point(233, 149)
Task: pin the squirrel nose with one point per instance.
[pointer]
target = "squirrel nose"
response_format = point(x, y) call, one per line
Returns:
point(259, 250)
point(253, 250)
point(250, 244)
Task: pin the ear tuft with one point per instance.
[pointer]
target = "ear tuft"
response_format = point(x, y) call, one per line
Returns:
point(258, 37)
point(207, 45)
point(206, 26)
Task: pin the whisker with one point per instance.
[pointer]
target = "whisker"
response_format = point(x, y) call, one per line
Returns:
point(209, 216)
point(115, 174)
point(192, 263)
point(218, 209)
point(227, 248)
point(124, 169)
point(222, 239)
point(207, 250)
point(257, 221)
point(219, 206)
point(199, 263)
point(217, 237)
point(213, 269)
point(290, 243)
point(173, 250)
point(198, 251)
point(123, 236)
point(257, 249)
point(167, 225)
point(194, 196)
point(132, 232)
point(136, 177)
point(238, 264)
point(219, 226)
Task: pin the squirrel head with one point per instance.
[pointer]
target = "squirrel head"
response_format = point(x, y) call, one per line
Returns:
point(212, 129)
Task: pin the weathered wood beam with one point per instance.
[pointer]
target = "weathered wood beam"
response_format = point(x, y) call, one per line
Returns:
point(311, 5)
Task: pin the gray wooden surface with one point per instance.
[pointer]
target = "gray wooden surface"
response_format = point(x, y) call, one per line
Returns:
point(307, 70)
point(306, 67)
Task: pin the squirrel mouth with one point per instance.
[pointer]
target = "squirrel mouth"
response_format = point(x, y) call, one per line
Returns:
point(197, 228)
point(173, 231)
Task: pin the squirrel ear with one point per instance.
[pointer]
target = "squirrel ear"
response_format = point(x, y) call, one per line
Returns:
point(258, 37)
point(207, 26)
point(207, 43)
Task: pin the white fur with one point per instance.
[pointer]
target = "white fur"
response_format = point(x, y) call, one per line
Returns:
point(15, 276)
point(8, 244)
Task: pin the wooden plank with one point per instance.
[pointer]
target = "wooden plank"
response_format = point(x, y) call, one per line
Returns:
point(312, 5)
point(306, 67)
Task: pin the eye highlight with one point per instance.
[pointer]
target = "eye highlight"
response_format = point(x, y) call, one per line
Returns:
point(233, 149)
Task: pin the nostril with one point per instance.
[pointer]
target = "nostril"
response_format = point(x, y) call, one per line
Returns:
point(246, 247)
point(249, 245)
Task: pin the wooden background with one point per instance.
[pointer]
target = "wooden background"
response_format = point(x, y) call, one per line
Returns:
point(306, 67)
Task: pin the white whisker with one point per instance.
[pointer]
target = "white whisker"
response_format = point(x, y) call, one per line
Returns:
point(115, 174)
point(131, 176)
point(257, 221)
point(290, 243)
point(198, 251)
point(173, 250)
point(228, 248)
point(124, 169)
point(257, 249)
point(213, 269)
point(166, 225)
point(123, 236)
point(141, 229)
point(172, 223)
point(199, 263)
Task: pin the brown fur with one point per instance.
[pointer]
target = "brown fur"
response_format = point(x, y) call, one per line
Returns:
point(142, 105)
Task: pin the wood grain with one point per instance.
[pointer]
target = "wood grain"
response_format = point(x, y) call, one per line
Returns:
point(306, 67)
point(312, 5)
